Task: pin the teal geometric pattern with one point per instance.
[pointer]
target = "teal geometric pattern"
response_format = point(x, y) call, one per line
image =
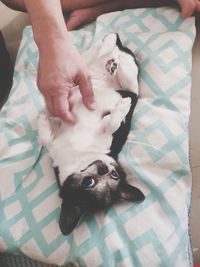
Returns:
point(150, 234)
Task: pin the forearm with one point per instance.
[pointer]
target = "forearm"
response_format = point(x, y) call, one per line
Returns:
point(115, 5)
point(47, 21)
point(67, 5)
point(45, 16)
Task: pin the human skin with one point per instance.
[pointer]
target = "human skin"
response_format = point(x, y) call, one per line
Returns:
point(187, 6)
point(60, 65)
point(85, 15)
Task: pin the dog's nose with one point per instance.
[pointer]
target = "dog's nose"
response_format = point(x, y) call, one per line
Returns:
point(102, 168)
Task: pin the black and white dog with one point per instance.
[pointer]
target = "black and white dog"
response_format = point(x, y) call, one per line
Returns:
point(85, 155)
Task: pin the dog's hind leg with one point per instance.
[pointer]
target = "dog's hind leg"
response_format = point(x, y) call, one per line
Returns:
point(127, 73)
point(45, 131)
point(112, 122)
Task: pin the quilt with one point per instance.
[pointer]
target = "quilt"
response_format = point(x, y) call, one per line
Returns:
point(150, 234)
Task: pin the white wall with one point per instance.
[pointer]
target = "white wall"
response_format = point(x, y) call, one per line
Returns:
point(12, 24)
point(6, 15)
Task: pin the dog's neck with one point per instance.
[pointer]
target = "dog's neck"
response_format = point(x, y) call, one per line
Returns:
point(80, 163)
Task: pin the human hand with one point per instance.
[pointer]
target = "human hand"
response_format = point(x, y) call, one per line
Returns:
point(197, 5)
point(189, 7)
point(60, 69)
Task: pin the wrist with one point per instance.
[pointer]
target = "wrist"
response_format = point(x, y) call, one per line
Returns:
point(52, 35)
point(47, 21)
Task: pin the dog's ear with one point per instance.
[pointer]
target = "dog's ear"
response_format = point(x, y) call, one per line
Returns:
point(108, 44)
point(69, 218)
point(131, 193)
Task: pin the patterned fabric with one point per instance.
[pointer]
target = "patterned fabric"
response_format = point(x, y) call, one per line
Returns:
point(152, 233)
point(10, 260)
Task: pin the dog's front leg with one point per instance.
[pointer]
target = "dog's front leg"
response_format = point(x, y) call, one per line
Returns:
point(110, 123)
point(45, 132)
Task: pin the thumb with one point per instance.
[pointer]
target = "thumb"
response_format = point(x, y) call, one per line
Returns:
point(85, 87)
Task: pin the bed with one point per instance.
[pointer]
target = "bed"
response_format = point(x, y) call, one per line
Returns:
point(154, 233)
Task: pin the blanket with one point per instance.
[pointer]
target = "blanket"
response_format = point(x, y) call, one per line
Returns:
point(153, 233)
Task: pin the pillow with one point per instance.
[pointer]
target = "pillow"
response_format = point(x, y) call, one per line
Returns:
point(153, 233)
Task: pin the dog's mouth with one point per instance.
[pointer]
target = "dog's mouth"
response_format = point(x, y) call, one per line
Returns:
point(101, 167)
point(92, 164)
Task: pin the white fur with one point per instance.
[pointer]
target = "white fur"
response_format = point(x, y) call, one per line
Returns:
point(73, 147)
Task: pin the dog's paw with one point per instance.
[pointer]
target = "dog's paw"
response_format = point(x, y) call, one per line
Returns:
point(123, 107)
point(44, 130)
point(43, 121)
point(113, 121)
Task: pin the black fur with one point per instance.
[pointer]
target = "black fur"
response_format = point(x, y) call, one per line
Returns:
point(125, 49)
point(120, 136)
point(56, 171)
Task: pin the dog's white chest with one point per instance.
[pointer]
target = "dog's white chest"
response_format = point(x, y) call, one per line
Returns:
point(75, 145)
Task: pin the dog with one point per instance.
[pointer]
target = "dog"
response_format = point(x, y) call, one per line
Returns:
point(85, 155)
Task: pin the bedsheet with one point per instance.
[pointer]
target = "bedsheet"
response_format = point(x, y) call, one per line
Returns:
point(153, 233)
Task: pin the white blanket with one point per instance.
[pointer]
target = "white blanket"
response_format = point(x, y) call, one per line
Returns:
point(154, 233)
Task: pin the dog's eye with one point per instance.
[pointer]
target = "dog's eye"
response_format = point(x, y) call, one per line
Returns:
point(88, 182)
point(114, 175)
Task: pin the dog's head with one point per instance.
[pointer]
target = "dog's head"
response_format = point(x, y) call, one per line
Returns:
point(99, 185)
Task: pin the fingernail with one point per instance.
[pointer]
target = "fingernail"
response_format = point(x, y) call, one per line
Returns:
point(73, 120)
point(70, 118)
point(92, 105)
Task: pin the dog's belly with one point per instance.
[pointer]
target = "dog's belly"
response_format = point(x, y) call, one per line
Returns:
point(72, 142)
point(84, 135)
point(71, 150)
point(106, 99)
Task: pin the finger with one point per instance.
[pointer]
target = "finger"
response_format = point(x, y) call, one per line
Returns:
point(70, 105)
point(61, 107)
point(198, 5)
point(86, 90)
point(49, 105)
point(187, 8)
